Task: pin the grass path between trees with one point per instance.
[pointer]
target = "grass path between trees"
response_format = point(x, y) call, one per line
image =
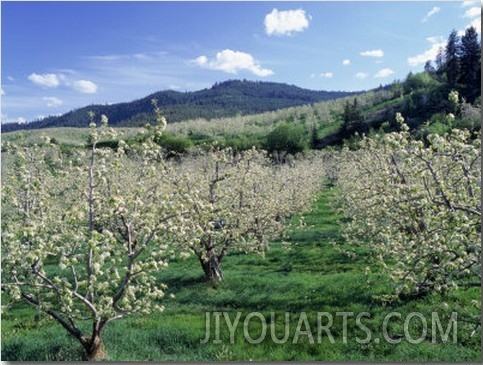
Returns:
point(309, 282)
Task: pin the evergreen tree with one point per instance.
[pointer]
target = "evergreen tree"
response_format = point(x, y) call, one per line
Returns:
point(470, 64)
point(353, 120)
point(452, 55)
point(428, 67)
point(439, 60)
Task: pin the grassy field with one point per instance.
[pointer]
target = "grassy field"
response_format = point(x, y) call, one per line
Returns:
point(310, 278)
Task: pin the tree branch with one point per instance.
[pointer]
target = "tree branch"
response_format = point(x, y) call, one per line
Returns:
point(73, 330)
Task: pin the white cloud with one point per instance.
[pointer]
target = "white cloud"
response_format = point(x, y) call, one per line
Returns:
point(201, 61)
point(55, 80)
point(385, 72)
point(435, 40)
point(231, 62)
point(472, 12)
point(142, 56)
point(286, 22)
point(2, 92)
point(85, 86)
point(476, 24)
point(6, 120)
point(108, 58)
point(433, 11)
point(361, 75)
point(52, 101)
point(174, 87)
point(45, 80)
point(327, 75)
point(346, 62)
point(467, 3)
point(373, 53)
point(430, 54)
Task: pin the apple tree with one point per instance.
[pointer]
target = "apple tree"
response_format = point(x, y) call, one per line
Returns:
point(417, 206)
point(84, 235)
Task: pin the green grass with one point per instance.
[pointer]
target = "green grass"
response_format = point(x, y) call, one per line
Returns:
point(308, 278)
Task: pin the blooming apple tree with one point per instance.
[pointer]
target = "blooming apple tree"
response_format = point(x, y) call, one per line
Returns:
point(417, 205)
point(83, 236)
point(236, 202)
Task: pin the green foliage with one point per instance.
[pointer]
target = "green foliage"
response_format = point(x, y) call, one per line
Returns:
point(460, 65)
point(437, 124)
point(174, 144)
point(241, 142)
point(465, 117)
point(422, 81)
point(353, 121)
point(287, 137)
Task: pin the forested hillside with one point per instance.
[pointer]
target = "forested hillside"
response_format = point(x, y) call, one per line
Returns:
point(225, 99)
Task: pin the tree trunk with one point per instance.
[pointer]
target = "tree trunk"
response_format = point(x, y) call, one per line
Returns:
point(94, 348)
point(211, 266)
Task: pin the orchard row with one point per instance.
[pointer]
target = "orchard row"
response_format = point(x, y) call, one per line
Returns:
point(108, 220)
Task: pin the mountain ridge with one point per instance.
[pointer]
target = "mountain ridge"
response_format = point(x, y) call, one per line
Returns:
point(223, 99)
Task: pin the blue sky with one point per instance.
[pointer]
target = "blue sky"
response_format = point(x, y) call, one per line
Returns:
point(58, 56)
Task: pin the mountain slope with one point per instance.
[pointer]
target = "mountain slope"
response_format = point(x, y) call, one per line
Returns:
point(224, 99)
